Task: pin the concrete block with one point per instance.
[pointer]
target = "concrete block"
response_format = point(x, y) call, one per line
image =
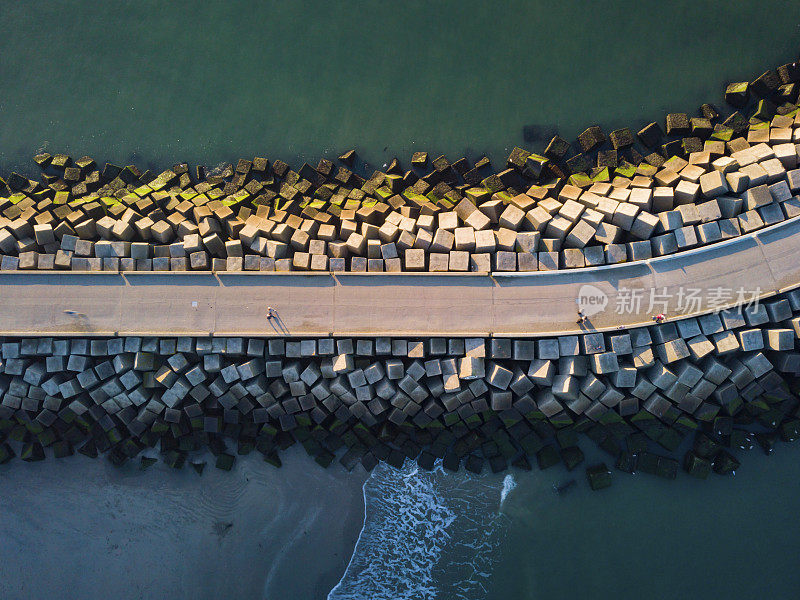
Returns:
point(639, 250)
point(557, 228)
point(414, 260)
point(471, 367)
point(604, 363)
point(624, 215)
point(664, 244)
point(686, 237)
point(771, 213)
point(642, 357)
point(732, 318)
point(780, 191)
point(505, 261)
point(500, 348)
point(548, 349)
point(686, 192)
point(572, 258)
point(672, 351)
point(713, 184)
point(594, 256)
point(459, 261)
point(725, 342)
point(708, 233)
point(484, 242)
point(527, 241)
point(592, 343)
point(779, 340)
point(548, 261)
point(498, 376)
point(644, 225)
point(512, 217)
point(541, 372)
point(625, 377)
point(580, 235)
point(621, 344)
point(480, 263)
point(756, 197)
point(615, 254)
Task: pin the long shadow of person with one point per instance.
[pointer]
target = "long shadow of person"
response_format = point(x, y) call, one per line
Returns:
point(277, 323)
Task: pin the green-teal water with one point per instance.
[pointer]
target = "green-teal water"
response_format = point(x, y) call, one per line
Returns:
point(161, 82)
point(205, 82)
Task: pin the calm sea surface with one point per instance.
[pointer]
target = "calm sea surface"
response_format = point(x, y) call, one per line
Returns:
point(158, 83)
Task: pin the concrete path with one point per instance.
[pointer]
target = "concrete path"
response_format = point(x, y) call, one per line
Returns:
point(535, 304)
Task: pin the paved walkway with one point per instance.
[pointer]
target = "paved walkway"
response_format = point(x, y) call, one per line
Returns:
point(536, 304)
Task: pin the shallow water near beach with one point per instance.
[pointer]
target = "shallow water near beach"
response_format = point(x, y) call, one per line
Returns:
point(159, 83)
point(84, 529)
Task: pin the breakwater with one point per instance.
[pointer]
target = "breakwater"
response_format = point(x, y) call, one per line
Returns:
point(707, 387)
point(606, 199)
point(726, 381)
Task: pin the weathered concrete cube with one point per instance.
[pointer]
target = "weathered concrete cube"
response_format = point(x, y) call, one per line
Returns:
point(505, 261)
point(604, 363)
point(713, 184)
point(498, 376)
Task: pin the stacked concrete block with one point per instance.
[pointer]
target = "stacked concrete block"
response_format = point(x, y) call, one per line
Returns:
point(369, 224)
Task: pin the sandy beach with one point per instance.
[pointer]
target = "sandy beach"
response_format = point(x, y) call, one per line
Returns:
point(79, 528)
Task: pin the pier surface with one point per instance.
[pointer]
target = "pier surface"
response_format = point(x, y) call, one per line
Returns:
point(404, 304)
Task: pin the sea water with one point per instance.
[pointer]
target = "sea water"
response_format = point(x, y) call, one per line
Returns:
point(461, 536)
point(155, 83)
point(426, 535)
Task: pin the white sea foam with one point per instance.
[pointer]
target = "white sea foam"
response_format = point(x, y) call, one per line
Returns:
point(508, 485)
point(426, 535)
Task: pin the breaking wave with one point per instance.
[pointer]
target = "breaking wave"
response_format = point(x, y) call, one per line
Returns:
point(426, 535)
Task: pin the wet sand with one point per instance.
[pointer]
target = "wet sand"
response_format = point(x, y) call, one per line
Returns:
point(80, 528)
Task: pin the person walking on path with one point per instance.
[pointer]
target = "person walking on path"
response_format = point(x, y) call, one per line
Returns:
point(581, 318)
point(270, 312)
point(659, 318)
